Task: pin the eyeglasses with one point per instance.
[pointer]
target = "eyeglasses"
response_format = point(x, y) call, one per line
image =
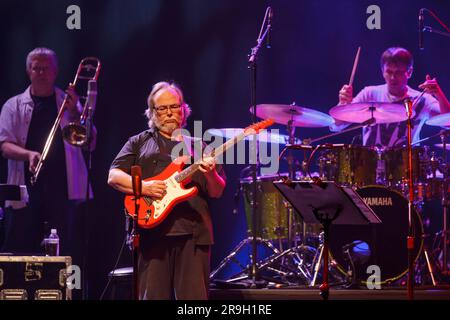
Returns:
point(164, 109)
point(40, 69)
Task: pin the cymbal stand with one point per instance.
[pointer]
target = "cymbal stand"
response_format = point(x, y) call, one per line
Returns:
point(366, 123)
point(232, 257)
point(291, 170)
point(444, 201)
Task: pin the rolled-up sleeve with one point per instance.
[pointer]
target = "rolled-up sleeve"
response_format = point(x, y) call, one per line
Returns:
point(125, 158)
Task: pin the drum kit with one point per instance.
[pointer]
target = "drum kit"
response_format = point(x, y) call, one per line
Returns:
point(379, 176)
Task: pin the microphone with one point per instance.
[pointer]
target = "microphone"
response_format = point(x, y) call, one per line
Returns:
point(421, 29)
point(269, 27)
point(92, 95)
point(136, 181)
point(408, 106)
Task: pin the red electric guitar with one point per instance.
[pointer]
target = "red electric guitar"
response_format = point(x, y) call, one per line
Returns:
point(152, 212)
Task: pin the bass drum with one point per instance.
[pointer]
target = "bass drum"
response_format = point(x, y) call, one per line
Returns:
point(387, 240)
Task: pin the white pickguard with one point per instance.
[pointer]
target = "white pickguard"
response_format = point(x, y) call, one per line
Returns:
point(174, 191)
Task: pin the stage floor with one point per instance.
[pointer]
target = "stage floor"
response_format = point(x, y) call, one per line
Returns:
point(420, 293)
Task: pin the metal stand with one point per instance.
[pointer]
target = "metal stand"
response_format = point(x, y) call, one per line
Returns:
point(444, 202)
point(87, 198)
point(136, 181)
point(253, 68)
point(135, 250)
point(232, 257)
point(317, 263)
point(326, 203)
point(410, 238)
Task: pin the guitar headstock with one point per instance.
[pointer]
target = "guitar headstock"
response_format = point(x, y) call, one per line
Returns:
point(256, 127)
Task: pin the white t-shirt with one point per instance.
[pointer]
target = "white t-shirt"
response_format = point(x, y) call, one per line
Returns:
point(392, 134)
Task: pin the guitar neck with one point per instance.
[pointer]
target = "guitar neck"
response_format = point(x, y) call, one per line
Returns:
point(189, 171)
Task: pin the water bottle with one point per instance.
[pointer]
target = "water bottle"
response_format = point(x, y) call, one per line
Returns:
point(52, 244)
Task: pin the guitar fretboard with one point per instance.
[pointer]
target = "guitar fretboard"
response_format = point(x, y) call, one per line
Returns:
point(189, 171)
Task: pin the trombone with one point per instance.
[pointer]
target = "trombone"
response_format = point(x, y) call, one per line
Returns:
point(75, 133)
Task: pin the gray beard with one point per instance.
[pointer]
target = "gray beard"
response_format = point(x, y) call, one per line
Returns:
point(168, 128)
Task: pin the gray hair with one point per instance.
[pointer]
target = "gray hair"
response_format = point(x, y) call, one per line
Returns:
point(41, 52)
point(163, 85)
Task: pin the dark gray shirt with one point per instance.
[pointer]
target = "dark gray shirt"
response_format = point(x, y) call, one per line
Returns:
point(152, 152)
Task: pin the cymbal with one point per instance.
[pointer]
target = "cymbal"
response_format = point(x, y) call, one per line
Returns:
point(300, 116)
point(360, 112)
point(263, 136)
point(441, 120)
point(441, 146)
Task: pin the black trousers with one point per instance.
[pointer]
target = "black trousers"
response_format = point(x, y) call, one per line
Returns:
point(173, 267)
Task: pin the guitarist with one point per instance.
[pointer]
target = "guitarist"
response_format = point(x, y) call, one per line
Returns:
point(173, 256)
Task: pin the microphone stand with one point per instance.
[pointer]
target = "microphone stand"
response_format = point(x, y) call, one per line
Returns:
point(253, 68)
point(430, 29)
point(88, 124)
point(410, 238)
point(135, 237)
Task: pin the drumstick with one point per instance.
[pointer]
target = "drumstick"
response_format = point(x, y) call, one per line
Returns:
point(355, 64)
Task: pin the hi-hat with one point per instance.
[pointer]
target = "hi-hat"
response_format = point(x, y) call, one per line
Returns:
point(360, 112)
point(441, 120)
point(263, 136)
point(300, 116)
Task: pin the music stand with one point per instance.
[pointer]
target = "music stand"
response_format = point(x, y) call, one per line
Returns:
point(326, 203)
point(10, 192)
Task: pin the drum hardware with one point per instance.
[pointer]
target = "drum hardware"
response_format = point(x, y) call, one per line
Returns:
point(293, 266)
point(382, 112)
point(293, 116)
point(232, 257)
point(386, 240)
point(444, 204)
point(367, 123)
point(380, 174)
point(355, 253)
point(264, 228)
point(443, 120)
point(332, 266)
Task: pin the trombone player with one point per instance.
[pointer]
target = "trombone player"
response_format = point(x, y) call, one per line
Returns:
point(56, 200)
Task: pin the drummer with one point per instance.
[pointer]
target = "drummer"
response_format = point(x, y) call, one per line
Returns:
point(397, 68)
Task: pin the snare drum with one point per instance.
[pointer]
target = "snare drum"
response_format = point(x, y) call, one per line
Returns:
point(349, 165)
